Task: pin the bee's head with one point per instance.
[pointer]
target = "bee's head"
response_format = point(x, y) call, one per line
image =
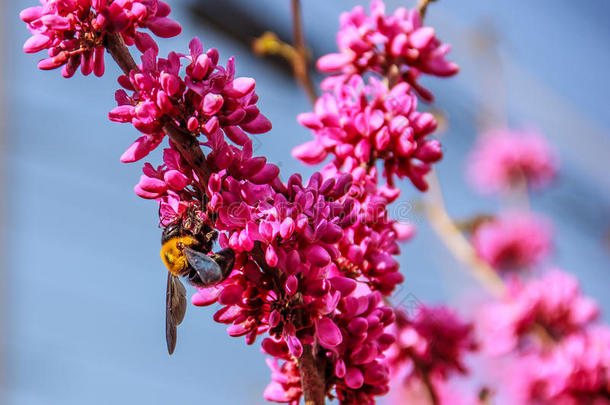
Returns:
point(171, 231)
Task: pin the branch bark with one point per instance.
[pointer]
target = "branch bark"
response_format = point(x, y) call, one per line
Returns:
point(299, 64)
point(422, 7)
point(312, 379)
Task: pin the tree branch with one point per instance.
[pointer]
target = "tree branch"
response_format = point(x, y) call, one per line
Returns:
point(312, 379)
point(422, 7)
point(456, 242)
point(299, 64)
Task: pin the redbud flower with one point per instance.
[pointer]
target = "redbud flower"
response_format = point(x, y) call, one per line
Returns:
point(368, 123)
point(378, 42)
point(208, 100)
point(513, 241)
point(74, 31)
point(172, 184)
point(503, 159)
point(554, 303)
point(370, 243)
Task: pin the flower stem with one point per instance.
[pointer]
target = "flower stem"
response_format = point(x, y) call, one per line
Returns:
point(299, 63)
point(184, 141)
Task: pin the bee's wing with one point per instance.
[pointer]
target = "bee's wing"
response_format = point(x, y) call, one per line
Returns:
point(226, 260)
point(208, 270)
point(175, 308)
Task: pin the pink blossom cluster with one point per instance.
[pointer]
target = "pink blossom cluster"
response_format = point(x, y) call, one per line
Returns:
point(503, 159)
point(208, 100)
point(430, 345)
point(74, 31)
point(303, 292)
point(557, 355)
point(364, 121)
point(290, 279)
point(379, 42)
point(513, 241)
point(361, 123)
point(552, 306)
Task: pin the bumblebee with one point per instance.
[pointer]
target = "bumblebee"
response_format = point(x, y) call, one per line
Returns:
point(185, 253)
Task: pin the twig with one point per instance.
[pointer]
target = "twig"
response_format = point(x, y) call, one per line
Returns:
point(186, 143)
point(455, 240)
point(422, 7)
point(299, 64)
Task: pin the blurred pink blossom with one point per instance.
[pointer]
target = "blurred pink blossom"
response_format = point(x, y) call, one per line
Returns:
point(503, 158)
point(430, 345)
point(554, 303)
point(514, 241)
point(575, 372)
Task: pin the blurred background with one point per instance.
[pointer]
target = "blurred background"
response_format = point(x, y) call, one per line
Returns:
point(81, 283)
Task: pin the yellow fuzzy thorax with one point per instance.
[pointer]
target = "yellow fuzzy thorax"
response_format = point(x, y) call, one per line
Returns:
point(172, 254)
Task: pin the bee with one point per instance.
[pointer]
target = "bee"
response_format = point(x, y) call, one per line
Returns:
point(185, 248)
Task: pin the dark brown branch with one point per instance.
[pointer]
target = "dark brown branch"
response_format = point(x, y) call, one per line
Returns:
point(116, 47)
point(299, 64)
point(312, 379)
point(185, 142)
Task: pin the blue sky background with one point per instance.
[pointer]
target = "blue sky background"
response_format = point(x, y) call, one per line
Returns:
point(83, 284)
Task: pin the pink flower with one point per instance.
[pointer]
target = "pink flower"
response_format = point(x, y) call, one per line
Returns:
point(359, 124)
point(370, 243)
point(504, 158)
point(208, 100)
point(513, 241)
point(378, 42)
point(553, 303)
point(172, 184)
point(74, 31)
